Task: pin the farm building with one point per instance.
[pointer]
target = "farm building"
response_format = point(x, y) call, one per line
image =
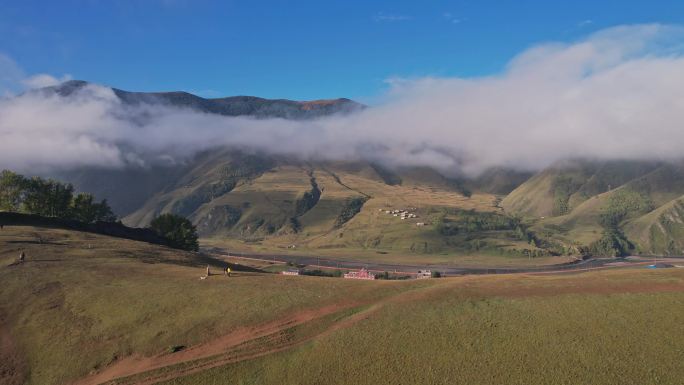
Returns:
point(290, 272)
point(361, 274)
point(422, 274)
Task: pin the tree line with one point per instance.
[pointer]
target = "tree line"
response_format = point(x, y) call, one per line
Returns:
point(50, 198)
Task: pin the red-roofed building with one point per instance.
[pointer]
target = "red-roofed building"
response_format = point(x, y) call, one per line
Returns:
point(361, 274)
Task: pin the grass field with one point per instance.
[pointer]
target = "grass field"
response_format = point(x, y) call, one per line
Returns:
point(97, 309)
point(390, 257)
point(116, 299)
point(494, 331)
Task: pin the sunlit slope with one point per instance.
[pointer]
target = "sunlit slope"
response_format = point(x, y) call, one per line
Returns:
point(373, 228)
point(645, 207)
point(661, 231)
point(564, 186)
point(275, 203)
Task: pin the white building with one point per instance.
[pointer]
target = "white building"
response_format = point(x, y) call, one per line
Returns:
point(423, 274)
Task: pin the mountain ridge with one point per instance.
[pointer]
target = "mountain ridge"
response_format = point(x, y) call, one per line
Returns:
point(227, 106)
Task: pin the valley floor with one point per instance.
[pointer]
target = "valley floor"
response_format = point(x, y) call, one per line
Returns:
point(87, 309)
point(370, 256)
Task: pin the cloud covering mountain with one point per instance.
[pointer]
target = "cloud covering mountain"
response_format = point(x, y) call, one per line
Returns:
point(618, 94)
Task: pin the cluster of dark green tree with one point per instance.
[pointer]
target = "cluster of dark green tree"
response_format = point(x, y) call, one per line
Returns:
point(352, 207)
point(178, 230)
point(453, 222)
point(50, 198)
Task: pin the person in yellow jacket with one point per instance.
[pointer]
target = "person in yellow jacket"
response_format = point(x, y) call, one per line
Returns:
point(226, 271)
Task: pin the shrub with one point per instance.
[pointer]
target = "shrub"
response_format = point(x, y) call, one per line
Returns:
point(179, 231)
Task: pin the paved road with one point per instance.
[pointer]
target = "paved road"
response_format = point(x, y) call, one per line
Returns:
point(332, 263)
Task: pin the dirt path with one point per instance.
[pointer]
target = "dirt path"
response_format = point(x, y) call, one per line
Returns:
point(12, 365)
point(244, 343)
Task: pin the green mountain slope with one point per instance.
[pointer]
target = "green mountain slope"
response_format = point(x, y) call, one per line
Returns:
point(660, 232)
point(259, 202)
point(641, 211)
point(564, 186)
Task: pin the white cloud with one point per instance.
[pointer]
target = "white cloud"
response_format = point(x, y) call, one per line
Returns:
point(619, 93)
point(44, 80)
point(389, 17)
point(585, 23)
point(14, 80)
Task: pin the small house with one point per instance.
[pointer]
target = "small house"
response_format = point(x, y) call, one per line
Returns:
point(423, 274)
point(361, 274)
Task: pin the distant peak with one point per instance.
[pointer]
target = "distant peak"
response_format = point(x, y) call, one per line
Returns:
point(74, 83)
point(229, 106)
point(66, 88)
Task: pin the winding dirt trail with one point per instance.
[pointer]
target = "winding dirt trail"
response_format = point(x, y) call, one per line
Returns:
point(243, 344)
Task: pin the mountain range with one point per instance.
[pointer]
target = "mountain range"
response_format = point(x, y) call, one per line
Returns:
point(238, 196)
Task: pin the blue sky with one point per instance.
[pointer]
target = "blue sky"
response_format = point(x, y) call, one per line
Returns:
point(294, 49)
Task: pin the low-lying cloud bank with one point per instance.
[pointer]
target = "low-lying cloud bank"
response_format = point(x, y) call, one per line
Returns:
point(618, 94)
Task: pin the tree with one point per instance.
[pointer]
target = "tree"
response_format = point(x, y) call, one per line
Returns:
point(48, 198)
point(104, 212)
point(180, 232)
point(12, 187)
point(84, 209)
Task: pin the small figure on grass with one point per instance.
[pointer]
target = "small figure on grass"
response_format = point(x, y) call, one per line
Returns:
point(226, 271)
point(22, 257)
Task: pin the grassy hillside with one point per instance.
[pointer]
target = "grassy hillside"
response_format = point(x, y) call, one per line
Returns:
point(252, 202)
point(99, 308)
point(559, 189)
point(256, 203)
point(660, 232)
point(548, 192)
point(630, 203)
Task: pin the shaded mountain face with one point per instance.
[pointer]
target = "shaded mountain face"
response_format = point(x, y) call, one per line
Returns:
point(228, 106)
